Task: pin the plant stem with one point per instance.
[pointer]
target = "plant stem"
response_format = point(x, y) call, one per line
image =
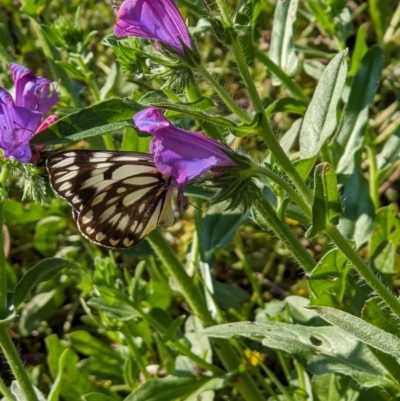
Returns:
point(4, 390)
point(5, 171)
point(224, 95)
point(287, 187)
point(244, 384)
point(265, 130)
point(127, 332)
point(367, 274)
point(192, 294)
point(373, 176)
point(267, 218)
point(253, 280)
point(15, 364)
point(294, 89)
point(6, 343)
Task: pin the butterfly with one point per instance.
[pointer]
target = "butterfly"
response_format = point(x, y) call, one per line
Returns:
point(117, 198)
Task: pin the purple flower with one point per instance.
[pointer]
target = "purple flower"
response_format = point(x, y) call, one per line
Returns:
point(31, 91)
point(178, 153)
point(155, 20)
point(20, 119)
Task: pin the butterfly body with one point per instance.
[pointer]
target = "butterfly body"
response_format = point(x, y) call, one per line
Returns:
point(117, 198)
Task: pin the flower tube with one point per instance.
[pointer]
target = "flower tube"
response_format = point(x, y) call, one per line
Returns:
point(178, 153)
point(158, 20)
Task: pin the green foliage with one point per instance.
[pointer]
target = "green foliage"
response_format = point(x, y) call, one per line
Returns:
point(277, 281)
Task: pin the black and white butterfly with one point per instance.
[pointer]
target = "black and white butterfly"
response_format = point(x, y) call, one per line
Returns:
point(117, 198)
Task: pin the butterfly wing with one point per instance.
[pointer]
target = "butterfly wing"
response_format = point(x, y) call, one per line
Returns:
point(117, 197)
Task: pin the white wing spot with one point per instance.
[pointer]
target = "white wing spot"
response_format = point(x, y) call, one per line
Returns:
point(120, 190)
point(64, 162)
point(65, 186)
point(134, 196)
point(107, 213)
point(76, 199)
point(141, 180)
point(115, 219)
point(97, 159)
point(123, 222)
point(127, 242)
point(88, 217)
point(97, 199)
point(100, 236)
point(112, 200)
point(89, 230)
point(113, 242)
point(66, 177)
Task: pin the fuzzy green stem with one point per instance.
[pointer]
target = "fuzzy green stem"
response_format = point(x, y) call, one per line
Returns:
point(16, 365)
point(224, 8)
point(294, 89)
point(3, 271)
point(6, 392)
point(246, 266)
point(268, 219)
point(224, 95)
point(5, 171)
point(287, 187)
point(373, 176)
point(244, 384)
point(192, 294)
point(265, 130)
point(367, 274)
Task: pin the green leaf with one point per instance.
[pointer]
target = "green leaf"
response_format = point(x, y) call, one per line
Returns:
point(386, 227)
point(327, 206)
point(372, 313)
point(219, 227)
point(331, 282)
point(84, 343)
point(384, 258)
point(322, 16)
point(358, 217)
point(282, 50)
point(334, 387)
point(46, 234)
point(42, 271)
point(98, 397)
point(74, 381)
point(320, 119)
point(118, 310)
point(304, 166)
point(350, 134)
point(39, 309)
point(215, 383)
point(170, 388)
point(319, 349)
point(360, 49)
point(364, 331)
point(107, 116)
point(288, 104)
point(390, 152)
point(44, 34)
point(380, 12)
point(33, 7)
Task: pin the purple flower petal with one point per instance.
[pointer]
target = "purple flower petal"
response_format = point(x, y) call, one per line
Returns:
point(31, 91)
point(155, 20)
point(17, 127)
point(182, 154)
